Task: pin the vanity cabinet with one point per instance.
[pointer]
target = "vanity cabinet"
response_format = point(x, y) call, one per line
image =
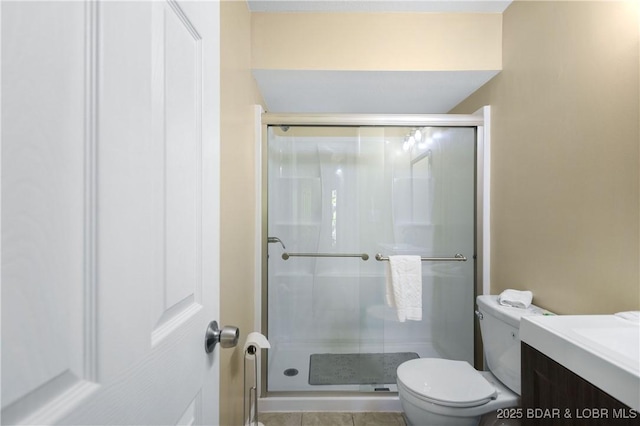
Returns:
point(554, 395)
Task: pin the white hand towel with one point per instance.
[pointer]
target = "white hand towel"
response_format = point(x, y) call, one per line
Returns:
point(404, 287)
point(516, 298)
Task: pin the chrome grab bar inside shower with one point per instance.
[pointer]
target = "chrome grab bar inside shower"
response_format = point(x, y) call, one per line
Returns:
point(363, 256)
point(456, 258)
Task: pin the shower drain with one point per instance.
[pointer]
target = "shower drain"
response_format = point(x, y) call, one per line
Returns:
point(290, 372)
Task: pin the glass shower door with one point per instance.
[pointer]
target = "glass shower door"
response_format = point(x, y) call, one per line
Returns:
point(336, 197)
point(433, 215)
point(314, 284)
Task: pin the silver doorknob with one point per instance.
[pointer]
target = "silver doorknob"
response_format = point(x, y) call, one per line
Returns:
point(227, 337)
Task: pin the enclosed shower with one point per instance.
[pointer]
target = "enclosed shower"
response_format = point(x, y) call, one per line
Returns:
point(341, 199)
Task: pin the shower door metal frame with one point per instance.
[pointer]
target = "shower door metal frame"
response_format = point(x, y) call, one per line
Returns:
point(478, 122)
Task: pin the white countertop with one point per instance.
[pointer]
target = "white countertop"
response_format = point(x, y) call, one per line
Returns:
point(602, 349)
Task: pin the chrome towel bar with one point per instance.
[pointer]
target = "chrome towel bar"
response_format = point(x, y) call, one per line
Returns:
point(363, 256)
point(456, 258)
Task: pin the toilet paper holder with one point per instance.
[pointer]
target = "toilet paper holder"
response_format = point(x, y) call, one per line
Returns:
point(254, 343)
point(227, 337)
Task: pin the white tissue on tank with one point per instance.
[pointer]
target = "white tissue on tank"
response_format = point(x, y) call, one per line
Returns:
point(633, 316)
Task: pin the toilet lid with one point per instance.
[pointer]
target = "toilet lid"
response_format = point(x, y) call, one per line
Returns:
point(446, 382)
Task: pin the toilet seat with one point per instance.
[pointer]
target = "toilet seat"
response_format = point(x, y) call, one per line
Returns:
point(445, 382)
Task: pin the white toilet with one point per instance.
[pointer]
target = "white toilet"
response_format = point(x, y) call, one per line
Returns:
point(440, 392)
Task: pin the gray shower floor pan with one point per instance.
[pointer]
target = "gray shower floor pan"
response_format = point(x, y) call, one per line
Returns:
point(356, 369)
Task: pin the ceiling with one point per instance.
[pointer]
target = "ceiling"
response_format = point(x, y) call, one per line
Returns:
point(430, 6)
point(372, 92)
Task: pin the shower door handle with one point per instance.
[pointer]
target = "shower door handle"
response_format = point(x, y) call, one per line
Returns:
point(363, 256)
point(227, 337)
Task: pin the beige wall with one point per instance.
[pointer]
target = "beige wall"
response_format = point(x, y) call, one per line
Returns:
point(376, 41)
point(237, 174)
point(565, 188)
point(565, 155)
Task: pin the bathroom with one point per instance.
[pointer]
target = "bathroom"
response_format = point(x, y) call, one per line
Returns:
point(115, 253)
point(547, 168)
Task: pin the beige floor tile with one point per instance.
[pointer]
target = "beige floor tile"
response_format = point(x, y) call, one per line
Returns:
point(280, 419)
point(378, 419)
point(327, 419)
point(402, 419)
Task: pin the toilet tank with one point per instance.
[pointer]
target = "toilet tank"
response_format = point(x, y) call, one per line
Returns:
point(500, 329)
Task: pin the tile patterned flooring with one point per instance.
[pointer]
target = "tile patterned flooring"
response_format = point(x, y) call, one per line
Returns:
point(332, 419)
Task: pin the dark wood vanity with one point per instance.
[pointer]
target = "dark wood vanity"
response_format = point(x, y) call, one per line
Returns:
point(554, 395)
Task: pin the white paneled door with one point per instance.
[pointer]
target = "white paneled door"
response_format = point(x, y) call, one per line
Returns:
point(110, 200)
